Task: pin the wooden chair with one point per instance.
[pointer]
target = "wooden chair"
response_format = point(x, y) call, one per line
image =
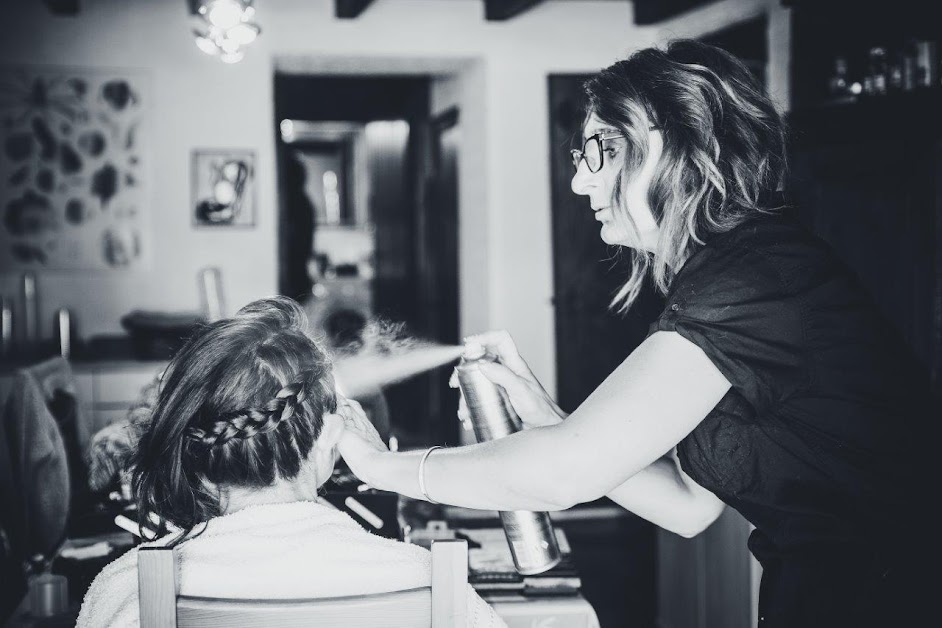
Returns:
point(441, 605)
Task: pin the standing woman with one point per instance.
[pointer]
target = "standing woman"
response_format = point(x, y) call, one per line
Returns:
point(769, 382)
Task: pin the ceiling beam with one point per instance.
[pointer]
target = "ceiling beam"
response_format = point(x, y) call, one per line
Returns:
point(350, 9)
point(649, 12)
point(62, 7)
point(500, 10)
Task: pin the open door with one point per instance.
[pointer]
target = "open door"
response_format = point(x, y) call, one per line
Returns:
point(590, 339)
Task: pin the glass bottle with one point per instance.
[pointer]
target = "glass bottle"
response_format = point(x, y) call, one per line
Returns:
point(926, 63)
point(909, 66)
point(837, 84)
point(894, 73)
point(877, 70)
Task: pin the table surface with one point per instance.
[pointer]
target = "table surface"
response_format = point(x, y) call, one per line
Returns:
point(21, 617)
point(571, 610)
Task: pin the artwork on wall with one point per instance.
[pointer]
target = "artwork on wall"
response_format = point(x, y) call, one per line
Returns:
point(223, 188)
point(73, 168)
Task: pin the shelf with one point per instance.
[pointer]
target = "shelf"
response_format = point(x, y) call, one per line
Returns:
point(823, 30)
point(905, 113)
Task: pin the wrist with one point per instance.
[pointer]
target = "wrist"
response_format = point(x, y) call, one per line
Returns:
point(423, 489)
point(369, 469)
point(394, 472)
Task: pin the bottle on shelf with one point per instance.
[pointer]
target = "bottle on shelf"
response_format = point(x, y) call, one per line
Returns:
point(877, 71)
point(837, 84)
point(894, 74)
point(211, 295)
point(64, 332)
point(927, 63)
point(908, 59)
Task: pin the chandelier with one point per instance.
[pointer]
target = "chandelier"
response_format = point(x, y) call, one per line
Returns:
point(225, 27)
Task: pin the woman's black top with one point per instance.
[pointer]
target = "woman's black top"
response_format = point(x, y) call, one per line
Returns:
point(819, 442)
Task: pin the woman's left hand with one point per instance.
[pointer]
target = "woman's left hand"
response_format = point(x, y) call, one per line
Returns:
point(360, 441)
point(529, 399)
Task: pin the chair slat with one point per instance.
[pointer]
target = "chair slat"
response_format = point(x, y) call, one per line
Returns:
point(400, 609)
point(449, 584)
point(157, 587)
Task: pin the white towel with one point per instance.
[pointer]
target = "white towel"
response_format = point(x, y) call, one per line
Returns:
point(276, 551)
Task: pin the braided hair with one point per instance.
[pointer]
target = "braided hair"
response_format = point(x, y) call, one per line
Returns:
point(241, 405)
point(248, 423)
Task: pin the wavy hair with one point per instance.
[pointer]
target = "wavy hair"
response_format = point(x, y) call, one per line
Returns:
point(241, 404)
point(724, 149)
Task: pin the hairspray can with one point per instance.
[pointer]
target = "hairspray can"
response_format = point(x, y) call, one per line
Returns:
point(530, 535)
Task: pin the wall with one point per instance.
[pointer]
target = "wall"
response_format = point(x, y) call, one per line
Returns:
point(197, 101)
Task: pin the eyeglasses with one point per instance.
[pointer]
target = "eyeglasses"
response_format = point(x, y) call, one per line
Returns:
point(592, 150)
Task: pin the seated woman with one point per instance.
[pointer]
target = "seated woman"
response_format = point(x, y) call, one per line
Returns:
point(242, 436)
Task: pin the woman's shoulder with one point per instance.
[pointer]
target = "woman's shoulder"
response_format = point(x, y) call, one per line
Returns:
point(111, 600)
point(765, 233)
point(771, 250)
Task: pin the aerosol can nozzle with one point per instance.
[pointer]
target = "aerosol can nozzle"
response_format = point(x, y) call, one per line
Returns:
point(473, 350)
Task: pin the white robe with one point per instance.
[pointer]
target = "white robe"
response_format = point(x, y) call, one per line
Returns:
point(276, 551)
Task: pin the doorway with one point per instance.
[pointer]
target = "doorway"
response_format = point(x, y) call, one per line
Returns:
point(368, 221)
point(591, 340)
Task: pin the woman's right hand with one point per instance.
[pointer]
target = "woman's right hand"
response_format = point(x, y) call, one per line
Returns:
point(360, 442)
point(529, 399)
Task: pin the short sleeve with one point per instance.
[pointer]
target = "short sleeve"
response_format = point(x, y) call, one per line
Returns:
point(733, 303)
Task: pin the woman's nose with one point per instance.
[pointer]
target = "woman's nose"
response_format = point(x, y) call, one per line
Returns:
point(582, 179)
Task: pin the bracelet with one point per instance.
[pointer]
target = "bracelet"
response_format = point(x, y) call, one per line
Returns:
point(422, 474)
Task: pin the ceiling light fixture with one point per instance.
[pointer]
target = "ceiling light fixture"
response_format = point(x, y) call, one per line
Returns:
point(224, 27)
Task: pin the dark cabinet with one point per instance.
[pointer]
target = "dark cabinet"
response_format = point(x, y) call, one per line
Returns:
point(866, 172)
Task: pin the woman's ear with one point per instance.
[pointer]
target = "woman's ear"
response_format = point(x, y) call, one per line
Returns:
point(331, 431)
point(324, 455)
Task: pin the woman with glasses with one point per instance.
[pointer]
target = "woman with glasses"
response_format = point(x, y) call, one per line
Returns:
point(768, 383)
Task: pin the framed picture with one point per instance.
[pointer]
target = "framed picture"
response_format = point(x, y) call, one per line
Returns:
point(223, 182)
point(74, 168)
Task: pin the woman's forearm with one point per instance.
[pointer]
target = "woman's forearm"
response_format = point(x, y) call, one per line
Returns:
point(621, 429)
point(664, 495)
point(507, 474)
point(494, 476)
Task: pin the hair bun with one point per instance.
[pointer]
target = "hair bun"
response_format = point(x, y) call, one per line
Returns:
point(277, 312)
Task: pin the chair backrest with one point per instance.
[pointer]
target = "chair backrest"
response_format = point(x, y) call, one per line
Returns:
point(441, 605)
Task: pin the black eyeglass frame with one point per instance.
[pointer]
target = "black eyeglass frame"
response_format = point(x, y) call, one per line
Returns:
point(579, 155)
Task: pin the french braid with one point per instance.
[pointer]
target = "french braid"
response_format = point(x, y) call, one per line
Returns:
point(244, 424)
